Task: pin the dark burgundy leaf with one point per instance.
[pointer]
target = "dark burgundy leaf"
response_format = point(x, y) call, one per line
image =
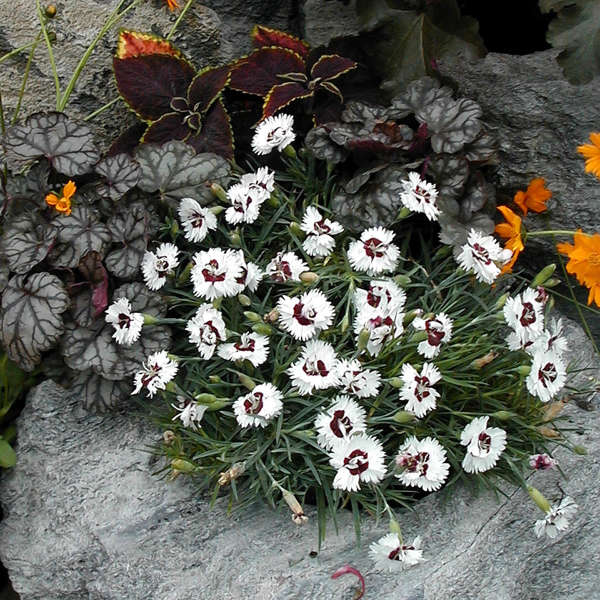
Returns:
point(264, 36)
point(258, 73)
point(128, 141)
point(215, 135)
point(330, 66)
point(136, 43)
point(149, 83)
point(332, 89)
point(327, 108)
point(169, 127)
point(207, 85)
point(281, 95)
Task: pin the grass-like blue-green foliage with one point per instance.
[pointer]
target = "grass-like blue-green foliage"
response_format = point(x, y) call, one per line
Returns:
point(480, 375)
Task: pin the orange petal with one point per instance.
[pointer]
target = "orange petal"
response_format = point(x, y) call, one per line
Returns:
point(520, 201)
point(565, 248)
point(69, 189)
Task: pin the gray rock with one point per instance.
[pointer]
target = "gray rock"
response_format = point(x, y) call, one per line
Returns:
point(539, 119)
point(86, 518)
point(324, 21)
point(207, 35)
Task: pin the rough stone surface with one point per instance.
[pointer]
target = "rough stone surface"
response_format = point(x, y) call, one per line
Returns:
point(86, 519)
point(211, 33)
point(325, 20)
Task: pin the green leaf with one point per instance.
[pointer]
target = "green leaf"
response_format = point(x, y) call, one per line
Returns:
point(176, 171)
point(67, 144)
point(576, 31)
point(26, 241)
point(8, 457)
point(31, 317)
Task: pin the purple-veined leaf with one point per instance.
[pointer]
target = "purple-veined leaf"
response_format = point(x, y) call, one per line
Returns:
point(26, 241)
point(142, 299)
point(419, 94)
point(84, 231)
point(67, 144)
point(449, 173)
point(121, 173)
point(99, 395)
point(149, 83)
point(259, 72)
point(320, 144)
point(31, 317)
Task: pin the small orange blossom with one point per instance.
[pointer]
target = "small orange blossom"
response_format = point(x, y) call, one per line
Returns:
point(534, 198)
point(62, 204)
point(591, 152)
point(511, 231)
point(172, 4)
point(584, 262)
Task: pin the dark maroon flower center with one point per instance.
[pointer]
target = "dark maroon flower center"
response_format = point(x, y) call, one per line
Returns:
point(161, 265)
point(303, 315)
point(340, 424)
point(197, 220)
point(481, 254)
point(210, 333)
point(422, 387)
point(212, 272)
point(124, 321)
point(357, 462)
point(547, 374)
point(423, 194)
point(276, 135)
point(321, 227)
point(485, 442)
point(415, 463)
point(254, 405)
point(315, 367)
point(283, 272)
point(247, 347)
point(242, 278)
point(397, 552)
point(374, 248)
point(152, 372)
point(435, 332)
point(528, 314)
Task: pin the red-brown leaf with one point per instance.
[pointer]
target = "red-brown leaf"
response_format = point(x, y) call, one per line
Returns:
point(281, 95)
point(258, 73)
point(207, 85)
point(330, 66)
point(148, 83)
point(136, 43)
point(169, 127)
point(264, 36)
point(215, 135)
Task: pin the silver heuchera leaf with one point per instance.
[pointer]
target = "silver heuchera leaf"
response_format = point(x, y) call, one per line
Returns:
point(131, 229)
point(142, 299)
point(483, 149)
point(64, 256)
point(455, 233)
point(83, 230)
point(452, 123)
point(359, 112)
point(320, 144)
point(26, 192)
point(420, 94)
point(153, 339)
point(31, 316)
point(121, 172)
point(67, 144)
point(176, 171)
point(100, 395)
point(449, 173)
point(83, 309)
point(26, 241)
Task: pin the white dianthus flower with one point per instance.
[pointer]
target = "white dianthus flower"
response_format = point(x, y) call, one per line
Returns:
point(196, 220)
point(422, 463)
point(547, 377)
point(206, 329)
point(259, 406)
point(190, 413)
point(420, 196)
point(286, 266)
point(439, 331)
point(484, 445)
point(481, 255)
point(252, 346)
point(556, 519)
point(345, 417)
point(418, 390)
point(319, 233)
point(127, 324)
point(156, 372)
point(391, 554)
point(157, 265)
point(215, 273)
point(359, 458)
point(374, 252)
point(362, 383)
point(315, 369)
point(273, 132)
point(306, 316)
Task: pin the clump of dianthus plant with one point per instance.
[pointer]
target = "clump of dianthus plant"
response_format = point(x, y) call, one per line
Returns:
point(340, 370)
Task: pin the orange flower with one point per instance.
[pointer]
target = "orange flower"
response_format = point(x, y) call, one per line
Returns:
point(534, 198)
point(62, 204)
point(592, 154)
point(584, 262)
point(511, 231)
point(172, 4)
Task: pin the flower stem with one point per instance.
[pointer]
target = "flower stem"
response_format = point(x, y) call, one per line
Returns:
point(551, 232)
point(17, 50)
point(101, 109)
point(179, 19)
point(42, 20)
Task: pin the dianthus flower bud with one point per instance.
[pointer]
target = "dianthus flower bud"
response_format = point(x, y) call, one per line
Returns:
point(309, 277)
point(539, 499)
point(543, 275)
point(226, 477)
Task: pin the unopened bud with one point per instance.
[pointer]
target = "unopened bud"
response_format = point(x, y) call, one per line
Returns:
point(246, 381)
point(403, 213)
point(443, 252)
point(217, 302)
point(218, 404)
point(273, 201)
point(411, 315)
point(296, 229)
point(503, 415)
point(205, 398)
point(214, 379)
point(185, 274)
point(216, 210)
point(484, 360)
point(396, 382)
point(363, 338)
point(402, 280)
point(226, 477)
point(50, 11)
point(168, 437)
point(289, 151)
point(403, 417)
point(272, 316)
point(501, 302)
point(539, 499)
point(174, 229)
point(234, 238)
point(181, 465)
point(244, 300)
point(218, 192)
point(395, 527)
point(581, 450)
point(418, 336)
point(552, 282)
point(345, 323)
point(149, 319)
point(543, 275)
point(309, 277)
point(252, 316)
point(262, 328)
point(298, 517)
point(524, 370)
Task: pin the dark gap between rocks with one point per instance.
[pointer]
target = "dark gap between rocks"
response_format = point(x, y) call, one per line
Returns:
point(511, 27)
